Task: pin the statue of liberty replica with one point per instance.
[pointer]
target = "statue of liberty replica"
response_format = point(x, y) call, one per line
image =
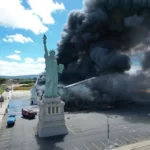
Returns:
point(52, 70)
point(51, 107)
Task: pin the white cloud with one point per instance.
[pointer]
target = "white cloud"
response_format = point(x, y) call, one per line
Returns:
point(18, 52)
point(41, 60)
point(17, 38)
point(29, 60)
point(14, 57)
point(14, 15)
point(28, 67)
point(48, 7)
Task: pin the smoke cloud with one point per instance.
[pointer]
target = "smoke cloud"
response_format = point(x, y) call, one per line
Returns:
point(146, 61)
point(97, 41)
point(108, 89)
point(101, 33)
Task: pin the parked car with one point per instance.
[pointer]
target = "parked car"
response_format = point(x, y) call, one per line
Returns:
point(28, 113)
point(7, 89)
point(1, 98)
point(11, 120)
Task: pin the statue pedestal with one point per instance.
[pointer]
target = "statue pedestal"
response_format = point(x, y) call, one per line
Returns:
point(33, 101)
point(51, 117)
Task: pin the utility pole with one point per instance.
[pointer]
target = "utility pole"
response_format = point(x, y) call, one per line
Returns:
point(108, 133)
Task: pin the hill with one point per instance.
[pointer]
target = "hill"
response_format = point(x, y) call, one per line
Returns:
point(20, 77)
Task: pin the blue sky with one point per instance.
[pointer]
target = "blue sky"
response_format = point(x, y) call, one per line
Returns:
point(22, 25)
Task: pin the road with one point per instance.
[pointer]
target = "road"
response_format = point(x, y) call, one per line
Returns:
point(87, 130)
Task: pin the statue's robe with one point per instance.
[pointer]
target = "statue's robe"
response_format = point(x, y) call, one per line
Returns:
point(51, 76)
point(33, 92)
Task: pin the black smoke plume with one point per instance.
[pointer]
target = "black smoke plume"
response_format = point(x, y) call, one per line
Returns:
point(95, 39)
point(146, 61)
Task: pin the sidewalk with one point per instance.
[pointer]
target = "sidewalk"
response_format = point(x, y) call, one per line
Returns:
point(145, 145)
point(4, 105)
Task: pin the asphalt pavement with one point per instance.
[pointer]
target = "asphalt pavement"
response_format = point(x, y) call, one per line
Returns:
point(87, 130)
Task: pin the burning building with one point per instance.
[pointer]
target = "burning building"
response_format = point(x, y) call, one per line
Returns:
point(97, 42)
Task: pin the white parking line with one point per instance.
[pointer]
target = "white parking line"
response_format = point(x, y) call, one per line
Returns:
point(147, 137)
point(140, 136)
point(71, 131)
point(132, 131)
point(86, 147)
point(126, 139)
point(6, 134)
point(5, 138)
point(146, 134)
point(4, 145)
point(3, 142)
point(134, 138)
point(103, 144)
point(4, 131)
point(111, 142)
point(119, 141)
point(95, 146)
point(76, 148)
point(143, 137)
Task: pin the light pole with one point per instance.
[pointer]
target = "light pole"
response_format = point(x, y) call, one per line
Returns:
point(108, 148)
point(108, 135)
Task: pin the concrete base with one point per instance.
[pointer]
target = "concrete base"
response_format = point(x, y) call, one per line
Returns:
point(51, 118)
point(52, 131)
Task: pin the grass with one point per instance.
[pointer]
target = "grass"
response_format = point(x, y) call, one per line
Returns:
point(1, 90)
point(28, 85)
point(22, 88)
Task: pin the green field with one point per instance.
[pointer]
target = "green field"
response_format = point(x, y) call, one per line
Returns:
point(1, 90)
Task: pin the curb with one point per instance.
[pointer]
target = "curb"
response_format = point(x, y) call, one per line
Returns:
point(4, 107)
point(134, 146)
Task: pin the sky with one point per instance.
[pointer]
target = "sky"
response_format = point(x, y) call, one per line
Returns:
point(22, 25)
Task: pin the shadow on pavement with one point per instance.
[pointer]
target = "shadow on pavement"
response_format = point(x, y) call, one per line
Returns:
point(50, 143)
point(133, 113)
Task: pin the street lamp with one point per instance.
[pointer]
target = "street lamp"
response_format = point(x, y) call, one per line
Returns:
point(108, 135)
point(108, 148)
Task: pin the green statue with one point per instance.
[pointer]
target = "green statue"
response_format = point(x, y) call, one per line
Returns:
point(52, 70)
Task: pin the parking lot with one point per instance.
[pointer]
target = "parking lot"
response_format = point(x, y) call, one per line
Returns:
point(87, 131)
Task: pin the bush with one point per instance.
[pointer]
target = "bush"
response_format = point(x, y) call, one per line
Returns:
point(31, 84)
point(28, 85)
point(2, 80)
point(26, 82)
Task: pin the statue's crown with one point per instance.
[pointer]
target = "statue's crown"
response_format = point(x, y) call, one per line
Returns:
point(52, 52)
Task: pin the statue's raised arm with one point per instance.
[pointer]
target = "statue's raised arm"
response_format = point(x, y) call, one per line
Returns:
point(44, 42)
